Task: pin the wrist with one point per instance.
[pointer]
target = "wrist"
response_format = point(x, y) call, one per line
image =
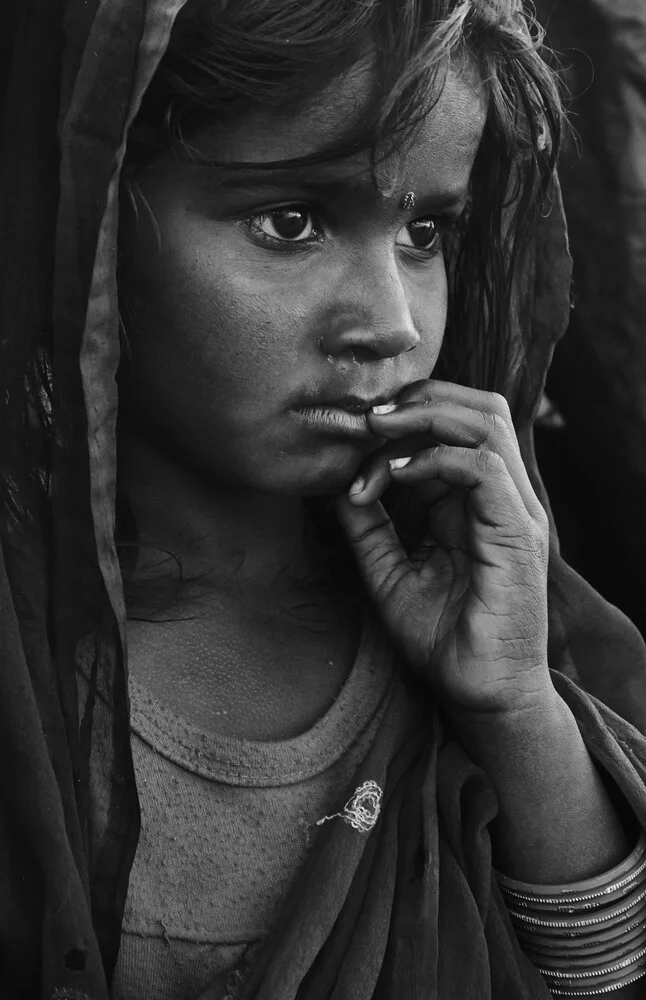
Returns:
point(525, 718)
point(555, 820)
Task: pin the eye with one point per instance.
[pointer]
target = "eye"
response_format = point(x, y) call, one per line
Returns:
point(292, 224)
point(421, 234)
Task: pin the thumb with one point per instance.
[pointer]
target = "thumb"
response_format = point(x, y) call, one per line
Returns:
point(380, 555)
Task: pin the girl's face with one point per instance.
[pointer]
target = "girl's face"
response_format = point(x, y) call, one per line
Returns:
point(278, 303)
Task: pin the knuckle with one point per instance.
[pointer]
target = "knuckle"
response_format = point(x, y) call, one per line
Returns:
point(368, 539)
point(482, 460)
point(535, 539)
point(494, 427)
point(487, 461)
point(388, 585)
point(499, 425)
point(499, 405)
point(433, 403)
point(441, 453)
point(537, 542)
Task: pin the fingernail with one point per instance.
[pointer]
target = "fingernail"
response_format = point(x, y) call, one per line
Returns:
point(399, 463)
point(385, 408)
point(357, 486)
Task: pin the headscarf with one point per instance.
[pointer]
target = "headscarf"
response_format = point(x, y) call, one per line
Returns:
point(69, 815)
point(598, 377)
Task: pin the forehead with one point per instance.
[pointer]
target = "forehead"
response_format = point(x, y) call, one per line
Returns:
point(445, 143)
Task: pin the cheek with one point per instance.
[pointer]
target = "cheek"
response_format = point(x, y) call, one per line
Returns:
point(208, 318)
point(248, 323)
point(428, 304)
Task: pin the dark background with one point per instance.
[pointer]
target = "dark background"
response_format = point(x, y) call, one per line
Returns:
point(595, 467)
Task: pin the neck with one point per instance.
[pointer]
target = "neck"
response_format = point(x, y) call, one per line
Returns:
point(220, 536)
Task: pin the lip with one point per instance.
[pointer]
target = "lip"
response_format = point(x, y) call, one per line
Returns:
point(351, 403)
point(335, 420)
point(343, 414)
point(356, 404)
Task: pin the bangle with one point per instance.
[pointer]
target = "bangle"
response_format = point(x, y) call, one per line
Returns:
point(586, 938)
point(590, 888)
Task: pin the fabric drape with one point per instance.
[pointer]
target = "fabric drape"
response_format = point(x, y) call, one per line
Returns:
point(597, 463)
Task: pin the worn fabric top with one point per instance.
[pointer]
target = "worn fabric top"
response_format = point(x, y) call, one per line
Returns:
point(226, 825)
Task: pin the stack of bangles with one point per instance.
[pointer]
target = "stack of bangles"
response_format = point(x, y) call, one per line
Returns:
point(586, 938)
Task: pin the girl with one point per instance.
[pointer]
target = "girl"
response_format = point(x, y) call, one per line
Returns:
point(374, 739)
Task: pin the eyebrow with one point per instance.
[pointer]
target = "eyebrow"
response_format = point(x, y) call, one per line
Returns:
point(245, 177)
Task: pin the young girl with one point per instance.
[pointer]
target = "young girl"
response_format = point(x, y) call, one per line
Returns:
point(374, 738)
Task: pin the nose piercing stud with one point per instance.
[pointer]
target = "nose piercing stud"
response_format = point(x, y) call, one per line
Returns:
point(408, 201)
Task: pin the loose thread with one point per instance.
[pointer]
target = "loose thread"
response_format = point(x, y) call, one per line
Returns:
point(361, 811)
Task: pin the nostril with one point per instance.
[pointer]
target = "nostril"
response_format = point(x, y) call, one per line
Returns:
point(75, 960)
point(361, 354)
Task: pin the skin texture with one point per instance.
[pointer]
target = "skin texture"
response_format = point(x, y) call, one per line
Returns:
point(474, 598)
point(232, 335)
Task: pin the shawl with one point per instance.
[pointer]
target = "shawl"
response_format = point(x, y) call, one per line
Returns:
point(598, 374)
point(363, 919)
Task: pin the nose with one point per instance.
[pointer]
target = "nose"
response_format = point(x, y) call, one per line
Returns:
point(373, 319)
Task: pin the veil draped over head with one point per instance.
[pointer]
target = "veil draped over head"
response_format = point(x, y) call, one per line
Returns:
point(69, 817)
point(598, 376)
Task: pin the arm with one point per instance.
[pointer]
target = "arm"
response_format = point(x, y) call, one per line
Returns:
point(469, 611)
point(557, 823)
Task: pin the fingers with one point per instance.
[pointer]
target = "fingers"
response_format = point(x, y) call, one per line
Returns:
point(375, 473)
point(493, 495)
point(443, 413)
point(435, 389)
point(381, 558)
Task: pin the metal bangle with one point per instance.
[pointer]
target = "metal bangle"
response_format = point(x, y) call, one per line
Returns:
point(582, 887)
point(561, 902)
point(605, 971)
point(602, 990)
point(581, 950)
point(568, 926)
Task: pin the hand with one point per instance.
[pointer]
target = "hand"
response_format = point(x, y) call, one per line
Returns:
point(469, 608)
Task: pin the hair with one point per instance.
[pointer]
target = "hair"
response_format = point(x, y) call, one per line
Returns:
point(228, 57)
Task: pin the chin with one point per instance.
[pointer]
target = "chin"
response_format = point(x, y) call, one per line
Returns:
point(330, 482)
point(315, 472)
point(330, 472)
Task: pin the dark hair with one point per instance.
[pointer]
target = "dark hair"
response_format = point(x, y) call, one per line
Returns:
point(226, 57)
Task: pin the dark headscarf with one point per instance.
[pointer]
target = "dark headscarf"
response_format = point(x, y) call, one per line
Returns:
point(598, 377)
point(69, 814)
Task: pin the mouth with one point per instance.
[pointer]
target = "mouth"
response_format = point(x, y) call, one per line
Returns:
point(335, 421)
point(357, 404)
point(342, 415)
